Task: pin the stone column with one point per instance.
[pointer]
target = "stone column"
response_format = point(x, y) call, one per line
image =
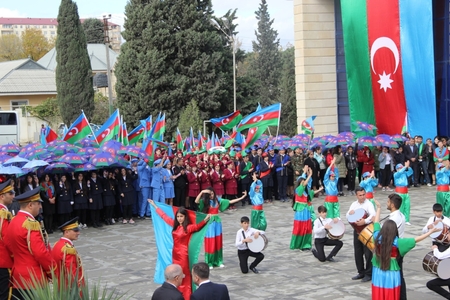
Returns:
point(315, 64)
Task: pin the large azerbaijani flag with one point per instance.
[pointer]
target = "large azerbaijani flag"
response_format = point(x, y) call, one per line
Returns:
point(390, 64)
point(79, 129)
point(263, 118)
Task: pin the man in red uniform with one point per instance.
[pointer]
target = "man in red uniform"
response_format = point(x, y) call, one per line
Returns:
point(6, 262)
point(25, 240)
point(65, 255)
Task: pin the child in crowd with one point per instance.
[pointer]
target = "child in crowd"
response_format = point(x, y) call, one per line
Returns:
point(368, 183)
point(433, 221)
point(443, 180)
point(256, 197)
point(401, 188)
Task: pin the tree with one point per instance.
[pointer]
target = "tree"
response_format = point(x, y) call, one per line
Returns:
point(287, 97)
point(172, 55)
point(94, 31)
point(35, 44)
point(11, 48)
point(190, 117)
point(73, 70)
point(101, 111)
point(48, 111)
point(267, 63)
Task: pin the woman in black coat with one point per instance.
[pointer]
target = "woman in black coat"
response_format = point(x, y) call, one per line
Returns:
point(95, 187)
point(127, 194)
point(64, 198)
point(48, 196)
point(265, 175)
point(80, 198)
point(109, 196)
point(313, 164)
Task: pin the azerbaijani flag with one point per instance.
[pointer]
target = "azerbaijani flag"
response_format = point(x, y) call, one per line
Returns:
point(159, 127)
point(123, 135)
point(48, 135)
point(79, 129)
point(252, 136)
point(164, 239)
point(136, 134)
point(201, 141)
point(389, 60)
point(192, 140)
point(308, 125)
point(180, 144)
point(227, 122)
point(147, 125)
point(109, 129)
point(262, 118)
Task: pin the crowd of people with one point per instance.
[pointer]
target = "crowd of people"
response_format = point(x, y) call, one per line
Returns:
point(211, 182)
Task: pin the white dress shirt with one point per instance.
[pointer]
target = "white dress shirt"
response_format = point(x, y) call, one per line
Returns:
point(400, 220)
point(445, 221)
point(319, 227)
point(441, 255)
point(367, 206)
point(239, 237)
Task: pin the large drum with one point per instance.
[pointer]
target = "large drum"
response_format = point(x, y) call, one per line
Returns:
point(444, 235)
point(258, 244)
point(433, 265)
point(366, 237)
point(337, 230)
point(360, 213)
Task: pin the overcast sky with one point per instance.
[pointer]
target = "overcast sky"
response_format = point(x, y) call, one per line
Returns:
point(280, 10)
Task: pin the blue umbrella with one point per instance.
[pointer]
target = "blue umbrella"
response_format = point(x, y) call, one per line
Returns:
point(16, 160)
point(35, 164)
point(11, 170)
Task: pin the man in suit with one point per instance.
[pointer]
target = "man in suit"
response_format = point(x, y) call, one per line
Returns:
point(206, 289)
point(169, 289)
point(412, 155)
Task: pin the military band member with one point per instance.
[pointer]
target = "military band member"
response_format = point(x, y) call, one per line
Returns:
point(28, 244)
point(6, 262)
point(65, 255)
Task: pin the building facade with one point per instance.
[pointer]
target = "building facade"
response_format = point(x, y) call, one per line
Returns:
point(49, 26)
point(321, 79)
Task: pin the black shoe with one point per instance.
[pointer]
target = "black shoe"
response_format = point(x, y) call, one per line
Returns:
point(330, 259)
point(359, 276)
point(366, 278)
point(254, 270)
point(99, 225)
point(306, 249)
point(94, 225)
point(50, 231)
point(416, 185)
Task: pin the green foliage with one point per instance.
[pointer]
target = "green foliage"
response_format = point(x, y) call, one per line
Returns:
point(73, 70)
point(48, 111)
point(101, 112)
point(172, 54)
point(93, 30)
point(287, 97)
point(190, 117)
point(69, 291)
point(267, 63)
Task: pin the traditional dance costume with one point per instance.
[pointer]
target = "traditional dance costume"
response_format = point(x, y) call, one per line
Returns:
point(386, 283)
point(368, 184)
point(258, 218)
point(443, 194)
point(303, 219)
point(180, 253)
point(213, 237)
point(401, 188)
point(331, 189)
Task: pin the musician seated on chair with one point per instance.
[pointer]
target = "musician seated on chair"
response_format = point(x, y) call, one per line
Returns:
point(436, 284)
point(244, 236)
point(320, 229)
point(434, 221)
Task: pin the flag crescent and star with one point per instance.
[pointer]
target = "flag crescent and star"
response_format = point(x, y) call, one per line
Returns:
point(73, 131)
point(384, 42)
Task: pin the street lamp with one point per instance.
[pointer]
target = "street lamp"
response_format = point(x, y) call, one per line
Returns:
point(232, 40)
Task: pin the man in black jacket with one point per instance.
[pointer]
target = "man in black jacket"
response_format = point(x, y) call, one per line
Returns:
point(169, 289)
point(207, 290)
point(412, 155)
point(179, 183)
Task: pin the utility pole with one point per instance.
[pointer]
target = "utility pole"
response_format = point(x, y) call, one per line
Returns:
point(108, 64)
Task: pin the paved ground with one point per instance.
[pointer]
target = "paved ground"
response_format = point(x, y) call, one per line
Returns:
point(123, 256)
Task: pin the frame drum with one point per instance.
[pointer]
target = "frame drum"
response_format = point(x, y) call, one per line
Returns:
point(437, 233)
point(259, 244)
point(337, 230)
point(359, 214)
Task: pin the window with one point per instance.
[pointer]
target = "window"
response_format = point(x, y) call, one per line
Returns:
point(36, 26)
point(8, 118)
point(52, 32)
point(15, 104)
point(20, 26)
point(44, 26)
point(51, 26)
point(7, 26)
point(15, 26)
point(45, 32)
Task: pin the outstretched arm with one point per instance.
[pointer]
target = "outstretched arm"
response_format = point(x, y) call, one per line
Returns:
point(161, 213)
point(244, 194)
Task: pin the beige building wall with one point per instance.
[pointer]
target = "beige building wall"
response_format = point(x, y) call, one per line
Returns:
point(7, 101)
point(315, 64)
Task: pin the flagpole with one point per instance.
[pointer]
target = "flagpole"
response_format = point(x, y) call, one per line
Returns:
point(278, 127)
point(89, 124)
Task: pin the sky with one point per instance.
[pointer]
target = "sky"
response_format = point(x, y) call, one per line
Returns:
point(281, 11)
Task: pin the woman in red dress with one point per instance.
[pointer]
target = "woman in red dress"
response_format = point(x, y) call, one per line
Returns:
point(181, 233)
point(216, 178)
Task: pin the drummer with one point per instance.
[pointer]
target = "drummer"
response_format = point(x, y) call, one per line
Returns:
point(321, 225)
point(436, 284)
point(360, 250)
point(242, 239)
point(434, 221)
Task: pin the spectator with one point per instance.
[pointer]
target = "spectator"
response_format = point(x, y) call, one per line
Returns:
point(352, 165)
point(169, 289)
point(339, 162)
point(429, 150)
point(206, 289)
